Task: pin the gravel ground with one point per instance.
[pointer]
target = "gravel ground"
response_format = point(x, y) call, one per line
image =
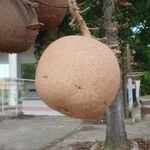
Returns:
point(93, 133)
point(34, 133)
point(57, 133)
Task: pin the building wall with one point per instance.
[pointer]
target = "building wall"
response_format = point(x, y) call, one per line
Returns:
point(26, 57)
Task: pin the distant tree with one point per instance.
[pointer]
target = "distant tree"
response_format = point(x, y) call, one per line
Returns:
point(28, 71)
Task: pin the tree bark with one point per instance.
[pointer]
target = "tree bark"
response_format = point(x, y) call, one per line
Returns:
point(126, 70)
point(77, 18)
point(116, 137)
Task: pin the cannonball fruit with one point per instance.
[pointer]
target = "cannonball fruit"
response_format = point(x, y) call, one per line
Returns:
point(51, 12)
point(78, 76)
point(14, 35)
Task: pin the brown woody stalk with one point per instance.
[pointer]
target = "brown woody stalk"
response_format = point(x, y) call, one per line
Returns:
point(124, 3)
point(78, 19)
point(75, 12)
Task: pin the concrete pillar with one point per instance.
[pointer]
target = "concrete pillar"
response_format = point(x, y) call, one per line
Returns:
point(13, 74)
point(136, 113)
point(12, 58)
point(137, 85)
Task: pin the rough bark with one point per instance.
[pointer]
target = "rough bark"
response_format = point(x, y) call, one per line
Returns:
point(126, 70)
point(74, 10)
point(125, 95)
point(116, 137)
point(85, 31)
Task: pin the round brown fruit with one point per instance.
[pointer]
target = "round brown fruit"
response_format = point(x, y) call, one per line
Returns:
point(14, 35)
point(51, 12)
point(78, 76)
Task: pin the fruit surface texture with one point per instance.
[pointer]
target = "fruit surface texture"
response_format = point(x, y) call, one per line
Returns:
point(14, 35)
point(78, 76)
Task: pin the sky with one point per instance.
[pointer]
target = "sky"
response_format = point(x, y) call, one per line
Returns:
point(4, 70)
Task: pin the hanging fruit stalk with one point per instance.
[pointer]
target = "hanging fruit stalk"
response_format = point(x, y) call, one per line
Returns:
point(77, 18)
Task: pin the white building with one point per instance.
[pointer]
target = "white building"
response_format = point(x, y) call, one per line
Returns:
point(18, 89)
point(10, 67)
point(10, 63)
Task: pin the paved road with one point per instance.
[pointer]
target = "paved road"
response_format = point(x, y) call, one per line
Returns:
point(31, 134)
point(93, 133)
point(36, 133)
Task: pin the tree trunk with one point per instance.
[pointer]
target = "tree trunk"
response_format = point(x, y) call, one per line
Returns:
point(126, 70)
point(116, 137)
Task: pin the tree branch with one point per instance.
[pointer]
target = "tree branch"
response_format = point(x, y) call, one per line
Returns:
point(75, 12)
point(77, 18)
point(124, 3)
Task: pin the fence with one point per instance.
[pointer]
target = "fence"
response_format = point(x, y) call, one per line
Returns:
point(20, 95)
point(14, 91)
